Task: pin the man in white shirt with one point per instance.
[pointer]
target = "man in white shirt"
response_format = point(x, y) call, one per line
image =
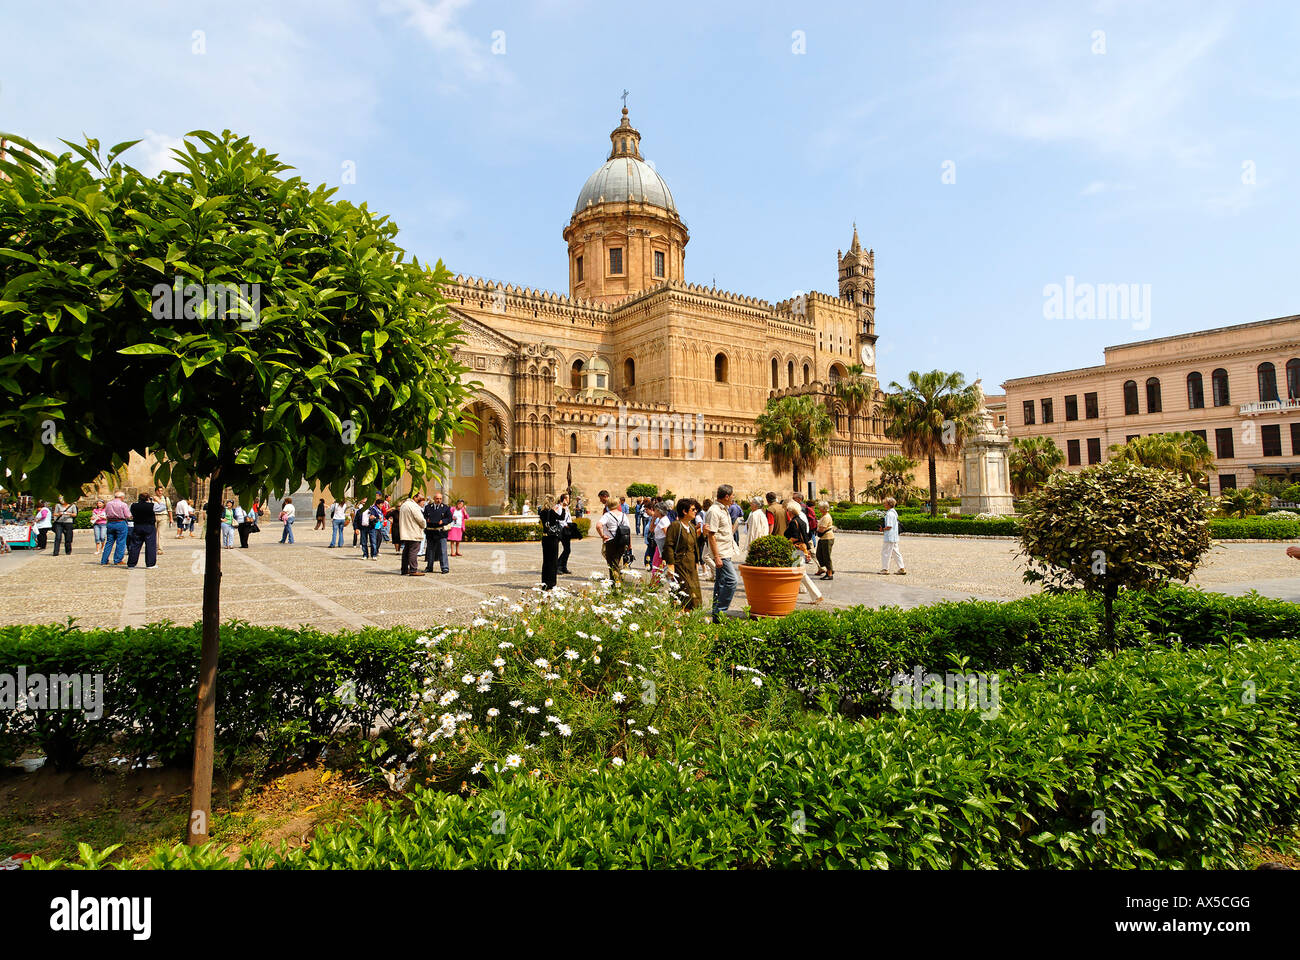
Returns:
point(608, 528)
point(162, 510)
point(182, 514)
point(889, 549)
point(720, 536)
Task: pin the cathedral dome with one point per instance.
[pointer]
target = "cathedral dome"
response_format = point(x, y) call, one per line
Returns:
point(625, 175)
point(625, 178)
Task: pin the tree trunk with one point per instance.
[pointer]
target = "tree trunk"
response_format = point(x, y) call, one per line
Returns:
point(206, 718)
point(934, 489)
point(853, 498)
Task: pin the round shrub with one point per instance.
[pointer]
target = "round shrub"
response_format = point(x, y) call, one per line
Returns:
point(770, 551)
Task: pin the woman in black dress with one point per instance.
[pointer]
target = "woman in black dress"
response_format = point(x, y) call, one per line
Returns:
point(550, 541)
point(562, 508)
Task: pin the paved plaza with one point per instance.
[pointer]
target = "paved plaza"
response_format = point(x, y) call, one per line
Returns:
point(332, 589)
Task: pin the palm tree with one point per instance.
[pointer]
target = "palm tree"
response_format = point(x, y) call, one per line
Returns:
point(854, 390)
point(896, 478)
point(1032, 461)
point(795, 433)
point(1185, 453)
point(934, 413)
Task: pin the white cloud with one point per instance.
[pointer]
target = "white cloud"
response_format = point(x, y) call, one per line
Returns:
point(461, 55)
point(153, 153)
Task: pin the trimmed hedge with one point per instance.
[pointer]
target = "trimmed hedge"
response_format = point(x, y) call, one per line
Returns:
point(854, 652)
point(493, 531)
point(1254, 528)
point(1154, 759)
point(277, 689)
point(1248, 528)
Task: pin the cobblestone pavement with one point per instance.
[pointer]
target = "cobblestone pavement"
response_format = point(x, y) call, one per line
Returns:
point(332, 589)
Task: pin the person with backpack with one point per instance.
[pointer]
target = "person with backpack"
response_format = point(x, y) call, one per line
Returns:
point(65, 519)
point(361, 529)
point(610, 527)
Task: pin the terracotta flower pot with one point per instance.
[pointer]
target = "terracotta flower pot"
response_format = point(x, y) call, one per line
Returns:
point(771, 591)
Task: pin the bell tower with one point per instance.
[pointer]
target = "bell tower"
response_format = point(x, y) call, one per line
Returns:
point(857, 272)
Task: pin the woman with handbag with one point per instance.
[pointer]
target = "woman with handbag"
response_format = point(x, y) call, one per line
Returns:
point(551, 529)
point(566, 532)
point(679, 554)
point(796, 531)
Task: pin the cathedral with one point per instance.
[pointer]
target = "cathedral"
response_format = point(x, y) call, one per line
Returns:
point(637, 375)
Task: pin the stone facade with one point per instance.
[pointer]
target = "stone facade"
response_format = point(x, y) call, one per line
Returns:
point(1238, 386)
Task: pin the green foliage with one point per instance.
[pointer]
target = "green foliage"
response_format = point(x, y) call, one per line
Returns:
point(1243, 502)
point(1256, 528)
point(642, 490)
point(1275, 487)
point(772, 550)
point(795, 432)
point(280, 691)
point(1114, 526)
point(1184, 453)
point(1032, 460)
point(347, 372)
point(917, 522)
point(854, 392)
point(1185, 770)
point(896, 478)
point(495, 531)
point(851, 654)
point(933, 414)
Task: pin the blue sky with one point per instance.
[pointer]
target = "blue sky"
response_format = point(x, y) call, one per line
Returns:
point(1162, 151)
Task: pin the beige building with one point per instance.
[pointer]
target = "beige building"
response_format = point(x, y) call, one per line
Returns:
point(1238, 387)
point(636, 374)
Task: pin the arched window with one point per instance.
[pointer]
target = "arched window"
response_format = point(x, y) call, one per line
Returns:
point(807, 378)
point(609, 443)
point(720, 368)
point(1153, 395)
point(1195, 391)
point(668, 446)
point(746, 451)
point(629, 373)
point(1219, 381)
point(636, 446)
point(1267, 381)
point(575, 375)
point(1130, 398)
point(835, 373)
point(573, 443)
point(789, 374)
point(1293, 379)
point(775, 369)
point(721, 455)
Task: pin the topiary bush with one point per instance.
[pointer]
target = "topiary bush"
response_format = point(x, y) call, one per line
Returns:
point(642, 490)
point(1114, 526)
point(770, 551)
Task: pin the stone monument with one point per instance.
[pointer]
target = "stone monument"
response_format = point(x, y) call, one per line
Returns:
point(987, 488)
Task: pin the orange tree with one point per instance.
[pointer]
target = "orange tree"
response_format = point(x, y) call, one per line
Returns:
point(230, 320)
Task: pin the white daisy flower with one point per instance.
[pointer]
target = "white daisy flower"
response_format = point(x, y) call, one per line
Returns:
point(570, 654)
point(493, 711)
point(564, 730)
point(514, 760)
point(618, 697)
point(617, 761)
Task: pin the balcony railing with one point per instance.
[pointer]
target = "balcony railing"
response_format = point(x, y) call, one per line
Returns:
point(1268, 406)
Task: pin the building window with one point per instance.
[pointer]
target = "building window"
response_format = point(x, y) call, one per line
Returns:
point(807, 375)
point(629, 372)
point(575, 375)
point(1227, 481)
point(1223, 443)
point(747, 445)
point(1072, 407)
point(1219, 382)
point(600, 381)
point(1130, 398)
point(659, 263)
point(1153, 395)
point(616, 260)
point(720, 368)
point(789, 373)
point(1029, 413)
point(1295, 439)
point(775, 369)
point(1047, 410)
point(1090, 406)
point(636, 446)
point(609, 444)
point(1271, 436)
point(1072, 452)
point(579, 269)
point(573, 443)
point(1195, 392)
point(1131, 437)
point(1202, 435)
point(668, 446)
point(1293, 379)
point(1267, 374)
point(721, 455)
point(1094, 450)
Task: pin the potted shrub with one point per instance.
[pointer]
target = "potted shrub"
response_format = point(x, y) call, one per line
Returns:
point(771, 579)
